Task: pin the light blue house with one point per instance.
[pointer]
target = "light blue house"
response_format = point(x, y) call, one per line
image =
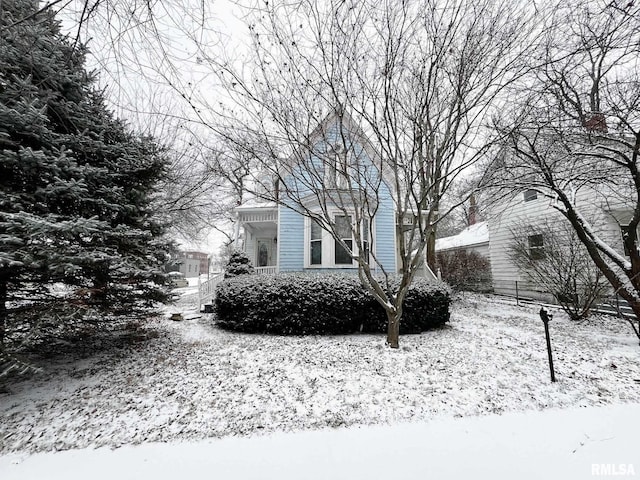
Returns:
point(341, 182)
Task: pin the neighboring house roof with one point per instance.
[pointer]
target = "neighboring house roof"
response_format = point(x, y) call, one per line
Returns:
point(475, 234)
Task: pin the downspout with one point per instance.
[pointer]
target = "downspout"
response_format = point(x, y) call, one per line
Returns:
point(236, 235)
point(278, 243)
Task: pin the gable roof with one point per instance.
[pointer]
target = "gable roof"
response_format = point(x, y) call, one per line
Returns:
point(353, 131)
point(351, 128)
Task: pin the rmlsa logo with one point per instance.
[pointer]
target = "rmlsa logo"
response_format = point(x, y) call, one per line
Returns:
point(613, 469)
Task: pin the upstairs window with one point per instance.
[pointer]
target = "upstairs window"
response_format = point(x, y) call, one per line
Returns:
point(337, 170)
point(530, 195)
point(536, 246)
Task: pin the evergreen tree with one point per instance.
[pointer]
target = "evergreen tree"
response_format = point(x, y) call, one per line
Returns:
point(238, 264)
point(76, 185)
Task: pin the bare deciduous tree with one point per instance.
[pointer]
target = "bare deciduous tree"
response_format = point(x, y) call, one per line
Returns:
point(576, 137)
point(145, 57)
point(418, 79)
point(202, 187)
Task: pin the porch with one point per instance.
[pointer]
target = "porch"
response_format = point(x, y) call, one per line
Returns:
point(258, 235)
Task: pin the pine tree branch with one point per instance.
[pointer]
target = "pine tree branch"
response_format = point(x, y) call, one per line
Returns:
point(37, 12)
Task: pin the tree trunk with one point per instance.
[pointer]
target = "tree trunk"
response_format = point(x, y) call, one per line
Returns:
point(393, 330)
point(431, 250)
point(635, 307)
point(100, 285)
point(3, 311)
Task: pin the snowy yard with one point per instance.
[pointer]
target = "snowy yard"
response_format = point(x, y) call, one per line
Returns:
point(185, 381)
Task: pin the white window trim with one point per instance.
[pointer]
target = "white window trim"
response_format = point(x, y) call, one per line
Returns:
point(536, 252)
point(328, 245)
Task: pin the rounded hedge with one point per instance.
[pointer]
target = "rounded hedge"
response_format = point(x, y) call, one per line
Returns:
point(303, 304)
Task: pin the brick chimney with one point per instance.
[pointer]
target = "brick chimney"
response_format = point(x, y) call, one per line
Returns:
point(473, 210)
point(595, 122)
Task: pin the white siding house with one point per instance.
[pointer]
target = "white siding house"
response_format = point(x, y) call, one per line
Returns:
point(521, 215)
point(528, 209)
point(190, 267)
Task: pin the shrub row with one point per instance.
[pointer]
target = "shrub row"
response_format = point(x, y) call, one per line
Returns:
point(303, 304)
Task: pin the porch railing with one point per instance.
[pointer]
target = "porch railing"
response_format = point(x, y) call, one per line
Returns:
point(207, 289)
point(266, 270)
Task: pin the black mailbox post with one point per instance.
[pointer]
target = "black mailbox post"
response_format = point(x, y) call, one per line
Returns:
point(545, 319)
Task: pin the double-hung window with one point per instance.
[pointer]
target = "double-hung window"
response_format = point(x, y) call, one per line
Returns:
point(536, 247)
point(338, 248)
point(337, 169)
point(343, 230)
point(315, 257)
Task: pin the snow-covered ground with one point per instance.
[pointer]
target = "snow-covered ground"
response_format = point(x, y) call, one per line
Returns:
point(183, 382)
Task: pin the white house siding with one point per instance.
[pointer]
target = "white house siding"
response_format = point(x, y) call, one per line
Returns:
point(249, 246)
point(517, 212)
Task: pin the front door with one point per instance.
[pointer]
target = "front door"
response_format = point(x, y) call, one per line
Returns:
point(265, 252)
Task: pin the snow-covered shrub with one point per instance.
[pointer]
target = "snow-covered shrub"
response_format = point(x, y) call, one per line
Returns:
point(425, 306)
point(302, 304)
point(238, 264)
point(465, 270)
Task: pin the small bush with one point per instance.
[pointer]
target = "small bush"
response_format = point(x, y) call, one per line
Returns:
point(304, 304)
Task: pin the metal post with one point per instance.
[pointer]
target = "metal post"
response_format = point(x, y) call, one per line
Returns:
point(517, 296)
point(545, 319)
